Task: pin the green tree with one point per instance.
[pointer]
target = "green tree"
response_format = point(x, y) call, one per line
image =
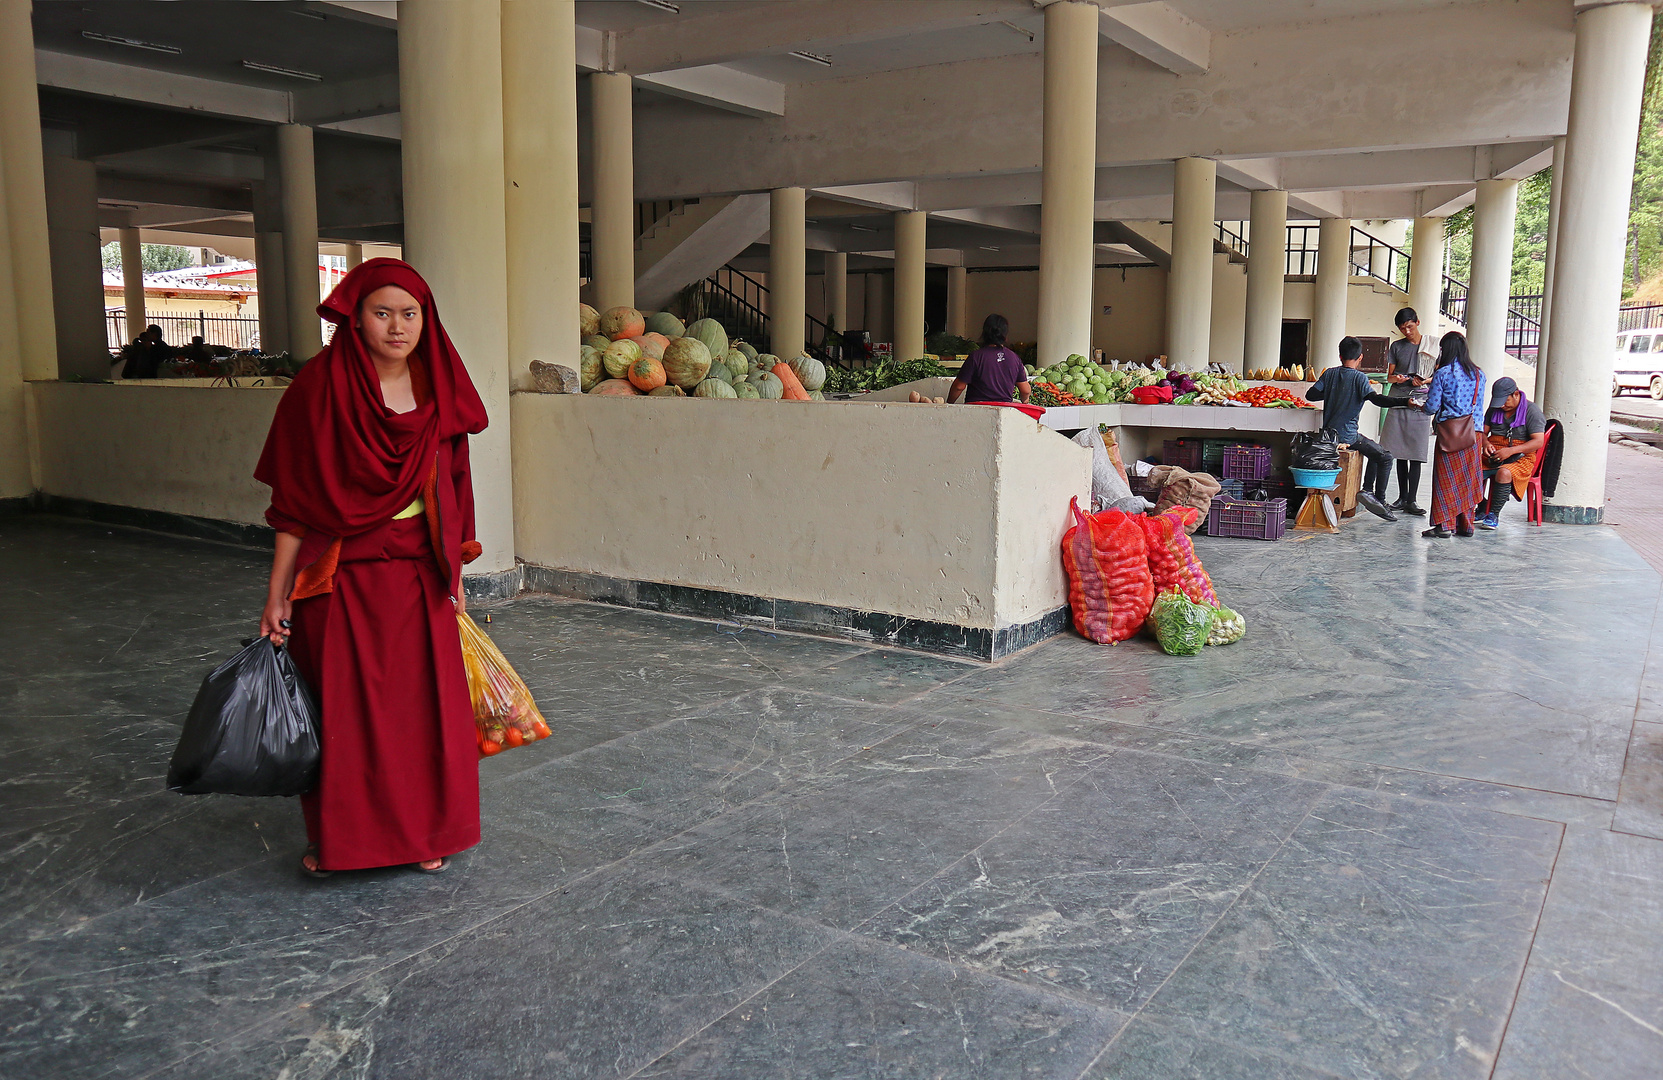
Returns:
point(1645, 213)
point(157, 257)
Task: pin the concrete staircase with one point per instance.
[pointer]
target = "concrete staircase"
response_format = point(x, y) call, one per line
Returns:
point(692, 242)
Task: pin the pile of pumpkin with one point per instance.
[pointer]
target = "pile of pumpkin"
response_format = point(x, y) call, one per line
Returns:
point(626, 354)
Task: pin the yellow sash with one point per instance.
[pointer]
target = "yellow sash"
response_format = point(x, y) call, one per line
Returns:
point(417, 507)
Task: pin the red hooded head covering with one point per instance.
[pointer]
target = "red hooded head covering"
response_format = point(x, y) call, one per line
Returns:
point(337, 460)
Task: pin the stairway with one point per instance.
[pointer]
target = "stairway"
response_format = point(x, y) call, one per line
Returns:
point(692, 242)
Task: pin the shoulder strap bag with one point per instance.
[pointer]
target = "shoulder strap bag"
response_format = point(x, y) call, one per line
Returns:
point(1456, 434)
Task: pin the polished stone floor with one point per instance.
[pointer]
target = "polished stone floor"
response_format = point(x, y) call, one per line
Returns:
point(1409, 827)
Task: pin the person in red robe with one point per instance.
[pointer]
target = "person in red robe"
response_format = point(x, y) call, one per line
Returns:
point(367, 461)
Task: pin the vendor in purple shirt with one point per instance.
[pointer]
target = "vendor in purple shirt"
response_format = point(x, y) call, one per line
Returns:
point(992, 371)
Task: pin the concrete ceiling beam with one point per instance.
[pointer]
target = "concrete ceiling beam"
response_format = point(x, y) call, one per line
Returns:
point(895, 195)
point(123, 82)
point(211, 164)
point(775, 29)
point(1161, 34)
point(720, 87)
point(330, 103)
point(121, 189)
point(1015, 219)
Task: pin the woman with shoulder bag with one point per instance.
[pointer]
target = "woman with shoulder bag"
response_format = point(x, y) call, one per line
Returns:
point(1455, 401)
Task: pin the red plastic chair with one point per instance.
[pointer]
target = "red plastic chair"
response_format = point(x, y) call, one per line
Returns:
point(1533, 486)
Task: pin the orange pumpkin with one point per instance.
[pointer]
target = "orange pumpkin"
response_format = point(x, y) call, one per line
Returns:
point(646, 374)
point(793, 386)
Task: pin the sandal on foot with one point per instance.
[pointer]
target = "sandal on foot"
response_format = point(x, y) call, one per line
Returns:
point(316, 869)
point(444, 864)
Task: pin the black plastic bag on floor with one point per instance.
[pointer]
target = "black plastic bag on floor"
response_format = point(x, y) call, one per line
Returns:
point(253, 729)
point(1318, 449)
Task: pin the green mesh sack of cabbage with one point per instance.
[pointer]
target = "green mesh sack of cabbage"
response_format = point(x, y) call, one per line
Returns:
point(1179, 623)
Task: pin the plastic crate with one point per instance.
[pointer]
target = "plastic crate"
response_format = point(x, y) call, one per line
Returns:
point(1276, 487)
point(1184, 453)
point(1246, 462)
point(1232, 489)
point(1247, 518)
point(1143, 485)
point(1212, 454)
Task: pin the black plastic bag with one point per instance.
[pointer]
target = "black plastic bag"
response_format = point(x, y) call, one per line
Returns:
point(1318, 449)
point(253, 729)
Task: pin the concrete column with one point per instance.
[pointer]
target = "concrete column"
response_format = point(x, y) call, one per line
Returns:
point(1606, 82)
point(16, 474)
point(354, 256)
point(1494, 214)
point(787, 268)
point(1189, 296)
point(958, 314)
point(271, 275)
point(908, 314)
point(837, 290)
point(1066, 253)
point(132, 281)
point(539, 117)
point(300, 237)
point(76, 268)
point(21, 171)
point(612, 199)
point(1333, 278)
point(1267, 264)
point(450, 95)
point(1555, 190)
point(1426, 274)
point(873, 316)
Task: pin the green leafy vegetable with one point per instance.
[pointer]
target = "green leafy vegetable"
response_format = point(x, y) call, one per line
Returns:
point(1180, 624)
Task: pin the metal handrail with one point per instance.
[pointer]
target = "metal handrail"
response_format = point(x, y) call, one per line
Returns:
point(1231, 238)
point(1397, 260)
point(757, 311)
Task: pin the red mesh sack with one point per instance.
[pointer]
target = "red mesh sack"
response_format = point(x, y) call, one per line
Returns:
point(1109, 586)
point(1172, 561)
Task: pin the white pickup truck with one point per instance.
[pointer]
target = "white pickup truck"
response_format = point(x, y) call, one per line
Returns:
point(1639, 363)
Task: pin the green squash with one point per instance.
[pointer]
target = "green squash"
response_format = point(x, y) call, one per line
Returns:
point(599, 341)
point(746, 391)
point(747, 348)
point(591, 368)
point(686, 362)
point(810, 372)
point(816, 395)
point(714, 388)
point(662, 322)
point(768, 385)
point(711, 333)
point(667, 390)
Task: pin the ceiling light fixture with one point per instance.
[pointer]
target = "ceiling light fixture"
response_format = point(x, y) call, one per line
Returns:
point(132, 43)
point(985, 247)
point(662, 5)
point(813, 58)
point(273, 69)
point(862, 228)
point(304, 14)
point(1029, 34)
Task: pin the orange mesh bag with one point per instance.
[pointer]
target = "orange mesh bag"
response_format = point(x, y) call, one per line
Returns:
point(1109, 584)
point(503, 711)
point(1172, 559)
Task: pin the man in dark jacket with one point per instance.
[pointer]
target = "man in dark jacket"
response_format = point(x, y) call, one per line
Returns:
point(1345, 389)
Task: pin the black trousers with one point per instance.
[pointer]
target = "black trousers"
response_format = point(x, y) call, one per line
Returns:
point(1379, 469)
point(1408, 480)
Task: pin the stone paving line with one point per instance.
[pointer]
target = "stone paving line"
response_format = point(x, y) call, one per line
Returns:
point(767, 855)
point(1634, 501)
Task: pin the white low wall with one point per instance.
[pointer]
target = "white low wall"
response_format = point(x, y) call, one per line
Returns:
point(179, 449)
point(950, 514)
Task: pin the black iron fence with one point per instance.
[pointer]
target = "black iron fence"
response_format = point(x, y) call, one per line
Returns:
point(232, 331)
point(1640, 317)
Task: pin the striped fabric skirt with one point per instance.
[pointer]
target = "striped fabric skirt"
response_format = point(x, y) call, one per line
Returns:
point(1457, 484)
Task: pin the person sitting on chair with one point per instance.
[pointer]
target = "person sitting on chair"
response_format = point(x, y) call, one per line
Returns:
point(1516, 433)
